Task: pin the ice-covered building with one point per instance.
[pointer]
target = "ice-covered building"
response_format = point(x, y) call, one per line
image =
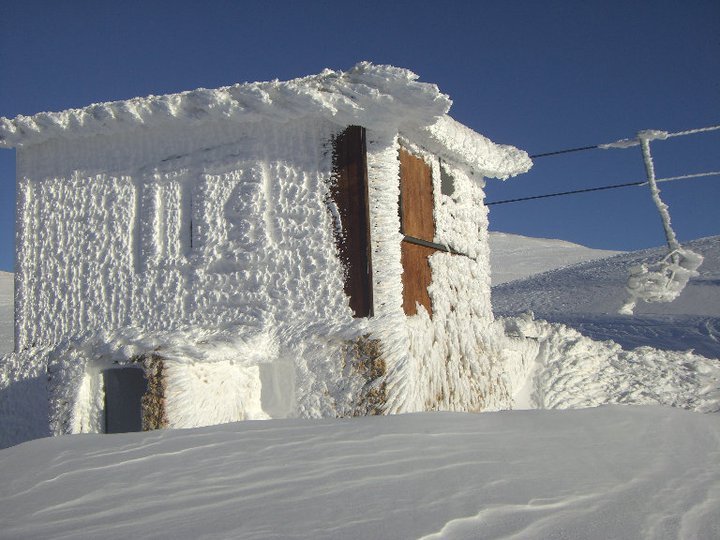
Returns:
point(315, 247)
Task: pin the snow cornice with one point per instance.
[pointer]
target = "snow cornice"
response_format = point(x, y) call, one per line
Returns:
point(378, 97)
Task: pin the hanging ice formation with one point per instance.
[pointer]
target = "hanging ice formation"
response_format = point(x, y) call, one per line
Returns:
point(664, 280)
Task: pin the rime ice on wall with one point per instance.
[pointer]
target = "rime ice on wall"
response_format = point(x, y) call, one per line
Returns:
point(452, 362)
point(206, 238)
point(197, 227)
point(226, 240)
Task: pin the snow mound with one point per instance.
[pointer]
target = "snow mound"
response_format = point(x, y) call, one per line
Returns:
point(611, 472)
point(583, 354)
point(570, 370)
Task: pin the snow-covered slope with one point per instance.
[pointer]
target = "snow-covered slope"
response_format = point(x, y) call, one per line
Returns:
point(599, 286)
point(6, 312)
point(587, 296)
point(611, 472)
point(516, 257)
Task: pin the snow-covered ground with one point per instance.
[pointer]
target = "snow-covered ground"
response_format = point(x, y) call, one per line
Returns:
point(6, 312)
point(516, 257)
point(610, 472)
point(587, 296)
point(604, 472)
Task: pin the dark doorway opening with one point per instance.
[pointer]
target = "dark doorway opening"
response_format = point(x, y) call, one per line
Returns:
point(124, 390)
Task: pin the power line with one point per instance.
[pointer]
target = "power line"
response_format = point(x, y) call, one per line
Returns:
point(557, 152)
point(686, 176)
point(693, 131)
point(602, 188)
point(627, 143)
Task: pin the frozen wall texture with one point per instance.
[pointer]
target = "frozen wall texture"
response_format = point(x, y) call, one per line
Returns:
point(199, 228)
point(450, 361)
point(199, 237)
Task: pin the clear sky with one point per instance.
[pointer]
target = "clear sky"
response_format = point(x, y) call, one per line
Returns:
point(539, 75)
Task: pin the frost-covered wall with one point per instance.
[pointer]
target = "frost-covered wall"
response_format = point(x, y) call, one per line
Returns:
point(449, 361)
point(199, 247)
point(197, 229)
point(217, 226)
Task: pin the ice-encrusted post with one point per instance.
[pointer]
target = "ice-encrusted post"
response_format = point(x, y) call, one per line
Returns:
point(645, 137)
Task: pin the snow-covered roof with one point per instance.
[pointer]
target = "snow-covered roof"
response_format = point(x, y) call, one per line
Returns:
point(374, 96)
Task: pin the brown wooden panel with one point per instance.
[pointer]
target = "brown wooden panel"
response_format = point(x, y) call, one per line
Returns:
point(350, 194)
point(416, 197)
point(416, 277)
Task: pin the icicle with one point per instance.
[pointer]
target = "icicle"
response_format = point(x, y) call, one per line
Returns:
point(666, 279)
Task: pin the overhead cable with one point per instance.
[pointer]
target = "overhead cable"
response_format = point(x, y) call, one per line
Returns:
point(565, 151)
point(628, 143)
point(602, 188)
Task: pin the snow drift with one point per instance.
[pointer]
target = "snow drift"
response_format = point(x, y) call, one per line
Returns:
point(609, 472)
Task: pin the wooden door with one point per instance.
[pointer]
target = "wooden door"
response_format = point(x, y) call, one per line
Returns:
point(350, 195)
point(417, 223)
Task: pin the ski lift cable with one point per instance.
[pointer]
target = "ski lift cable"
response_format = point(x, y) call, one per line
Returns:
point(602, 188)
point(693, 131)
point(627, 143)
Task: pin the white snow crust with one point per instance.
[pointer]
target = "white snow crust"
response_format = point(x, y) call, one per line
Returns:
point(570, 370)
point(380, 97)
point(608, 472)
point(587, 296)
point(602, 286)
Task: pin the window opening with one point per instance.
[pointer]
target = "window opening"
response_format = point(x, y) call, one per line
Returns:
point(447, 181)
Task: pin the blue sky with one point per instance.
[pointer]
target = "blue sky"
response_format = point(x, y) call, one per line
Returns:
point(539, 75)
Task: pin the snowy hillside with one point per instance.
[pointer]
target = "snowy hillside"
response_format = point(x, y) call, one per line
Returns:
point(587, 296)
point(515, 257)
point(6, 312)
point(610, 472)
